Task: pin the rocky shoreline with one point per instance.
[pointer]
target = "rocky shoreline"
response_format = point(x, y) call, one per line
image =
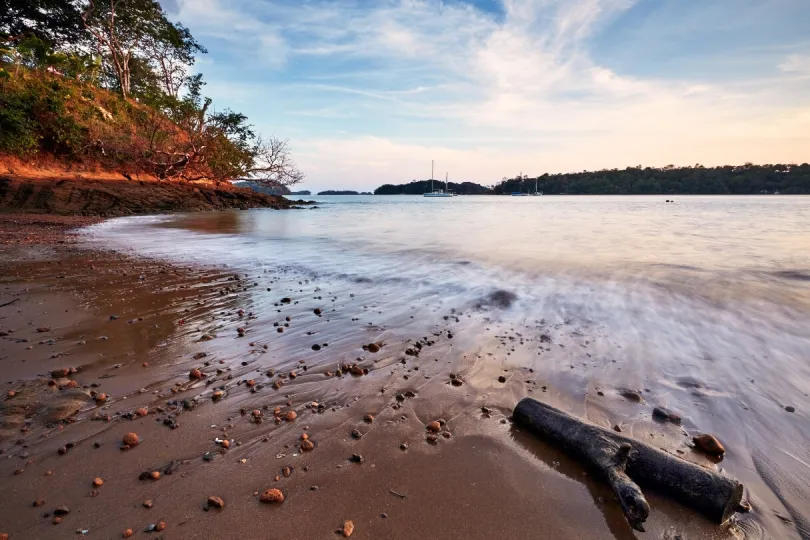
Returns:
point(140, 397)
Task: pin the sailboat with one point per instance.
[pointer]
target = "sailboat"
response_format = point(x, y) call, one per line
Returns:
point(437, 192)
point(535, 189)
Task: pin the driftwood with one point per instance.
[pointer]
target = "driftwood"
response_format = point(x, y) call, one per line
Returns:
point(626, 464)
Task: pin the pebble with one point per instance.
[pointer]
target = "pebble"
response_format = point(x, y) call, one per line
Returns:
point(501, 379)
point(403, 446)
point(290, 416)
point(61, 511)
point(271, 496)
point(356, 458)
point(348, 528)
point(307, 445)
point(434, 426)
point(215, 502)
point(790, 409)
point(38, 503)
point(195, 374)
point(356, 434)
point(148, 503)
point(127, 533)
point(131, 439)
point(631, 395)
point(98, 482)
point(709, 444)
point(368, 418)
point(666, 415)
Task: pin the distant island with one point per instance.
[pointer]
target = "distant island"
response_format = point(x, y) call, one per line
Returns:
point(342, 192)
point(267, 189)
point(418, 187)
point(303, 192)
point(747, 179)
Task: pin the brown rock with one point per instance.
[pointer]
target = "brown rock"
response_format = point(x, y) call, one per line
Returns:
point(160, 526)
point(98, 482)
point(225, 443)
point(348, 528)
point(290, 416)
point(101, 399)
point(131, 439)
point(38, 503)
point(373, 348)
point(195, 374)
point(369, 418)
point(631, 395)
point(270, 496)
point(56, 520)
point(434, 426)
point(127, 533)
point(356, 370)
point(3, 536)
point(709, 444)
point(215, 502)
point(11, 394)
point(61, 511)
point(307, 445)
point(148, 503)
point(217, 395)
point(142, 411)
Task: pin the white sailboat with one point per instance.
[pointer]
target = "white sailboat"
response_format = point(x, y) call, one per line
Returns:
point(437, 192)
point(535, 189)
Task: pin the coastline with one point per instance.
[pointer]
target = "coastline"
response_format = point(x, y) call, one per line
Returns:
point(109, 313)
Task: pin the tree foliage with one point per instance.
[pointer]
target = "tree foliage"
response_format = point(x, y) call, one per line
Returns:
point(162, 124)
point(727, 179)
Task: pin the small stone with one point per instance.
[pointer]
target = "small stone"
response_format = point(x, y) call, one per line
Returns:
point(101, 399)
point(709, 444)
point(195, 374)
point(215, 502)
point(348, 528)
point(61, 511)
point(57, 520)
point(373, 348)
point(131, 439)
point(434, 427)
point(790, 409)
point(316, 347)
point(127, 533)
point(501, 379)
point(160, 526)
point(98, 482)
point(356, 458)
point(271, 496)
point(307, 445)
point(38, 503)
point(356, 434)
point(142, 411)
point(617, 428)
point(368, 418)
point(148, 503)
point(403, 446)
point(217, 395)
point(154, 475)
point(290, 416)
point(631, 395)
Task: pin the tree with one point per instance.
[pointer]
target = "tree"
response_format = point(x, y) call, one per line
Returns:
point(128, 32)
point(53, 21)
point(272, 163)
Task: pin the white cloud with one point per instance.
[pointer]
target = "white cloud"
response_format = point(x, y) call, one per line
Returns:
point(796, 63)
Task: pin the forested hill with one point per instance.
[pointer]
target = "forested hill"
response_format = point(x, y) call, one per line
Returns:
point(745, 179)
point(418, 187)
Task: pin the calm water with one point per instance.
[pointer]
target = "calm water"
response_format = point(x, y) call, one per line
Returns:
point(704, 302)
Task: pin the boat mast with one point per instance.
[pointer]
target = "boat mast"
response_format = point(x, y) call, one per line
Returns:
point(431, 176)
point(445, 182)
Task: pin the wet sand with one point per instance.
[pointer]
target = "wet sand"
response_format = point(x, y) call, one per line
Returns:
point(134, 329)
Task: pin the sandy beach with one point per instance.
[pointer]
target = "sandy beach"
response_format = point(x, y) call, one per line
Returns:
point(96, 345)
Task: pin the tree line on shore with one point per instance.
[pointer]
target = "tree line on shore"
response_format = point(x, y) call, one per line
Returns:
point(111, 82)
point(747, 179)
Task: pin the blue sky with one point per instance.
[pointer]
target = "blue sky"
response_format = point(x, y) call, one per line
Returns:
point(369, 92)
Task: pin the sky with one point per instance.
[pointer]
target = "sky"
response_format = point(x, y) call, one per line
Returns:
point(370, 91)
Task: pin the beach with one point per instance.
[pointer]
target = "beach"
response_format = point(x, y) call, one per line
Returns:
point(225, 372)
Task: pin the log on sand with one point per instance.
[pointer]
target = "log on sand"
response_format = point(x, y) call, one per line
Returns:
point(626, 464)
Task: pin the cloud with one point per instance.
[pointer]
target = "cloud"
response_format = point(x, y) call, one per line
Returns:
point(796, 63)
point(370, 90)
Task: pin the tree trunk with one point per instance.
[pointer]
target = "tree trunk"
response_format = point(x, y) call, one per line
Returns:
point(621, 461)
